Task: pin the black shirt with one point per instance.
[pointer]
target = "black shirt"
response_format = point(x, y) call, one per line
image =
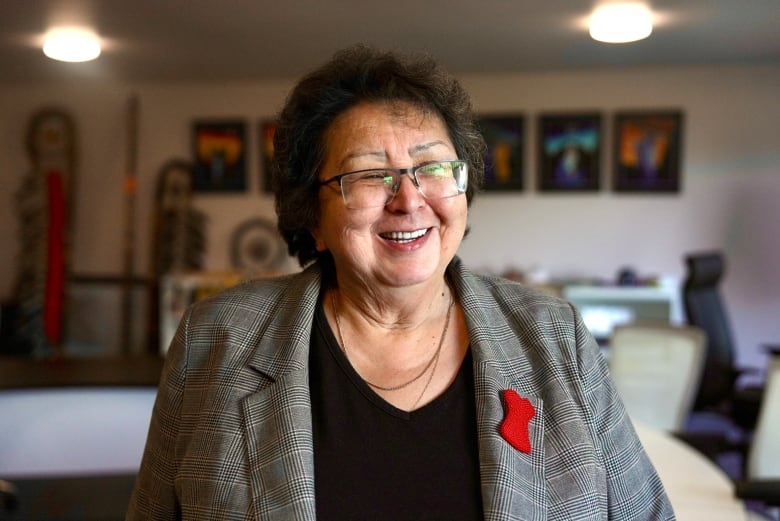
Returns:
point(373, 461)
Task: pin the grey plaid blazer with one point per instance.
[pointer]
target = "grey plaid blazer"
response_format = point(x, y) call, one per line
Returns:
point(231, 434)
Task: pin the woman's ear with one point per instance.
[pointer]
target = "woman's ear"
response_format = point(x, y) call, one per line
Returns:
point(319, 244)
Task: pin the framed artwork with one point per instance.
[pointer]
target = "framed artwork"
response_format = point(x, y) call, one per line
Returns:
point(647, 151)
point(504, 157)
point(267, 129)
point(569, 152)
point(220, 156)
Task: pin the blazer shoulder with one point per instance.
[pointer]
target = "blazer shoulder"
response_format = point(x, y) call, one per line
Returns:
point(516, 319)
point(260, 294)
point(264, 322)
point(252, 308)
point(512, 297)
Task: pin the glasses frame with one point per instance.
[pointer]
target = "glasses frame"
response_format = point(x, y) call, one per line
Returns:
point(411, 172)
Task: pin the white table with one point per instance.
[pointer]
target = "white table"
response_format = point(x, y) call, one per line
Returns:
point(70, 431)
point(697, 488)
point(604, 307)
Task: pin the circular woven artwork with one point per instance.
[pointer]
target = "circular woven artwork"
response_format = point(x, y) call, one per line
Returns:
point(257, 246)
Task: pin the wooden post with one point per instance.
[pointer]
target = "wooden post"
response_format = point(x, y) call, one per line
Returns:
point(130, 187)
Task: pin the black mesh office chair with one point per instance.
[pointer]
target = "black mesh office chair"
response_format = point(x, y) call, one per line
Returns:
point(720, 389)
point(761, 482)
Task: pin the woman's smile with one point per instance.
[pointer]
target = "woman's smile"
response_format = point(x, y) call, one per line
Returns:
point(404, 237)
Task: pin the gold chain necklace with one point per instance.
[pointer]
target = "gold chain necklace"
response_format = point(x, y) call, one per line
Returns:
point(433, 361)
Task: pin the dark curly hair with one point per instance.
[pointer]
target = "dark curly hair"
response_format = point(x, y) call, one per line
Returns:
point(354, 75)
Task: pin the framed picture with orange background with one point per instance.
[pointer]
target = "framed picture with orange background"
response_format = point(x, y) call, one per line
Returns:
point(504, 157)
point(220, 156)
point(647, 151)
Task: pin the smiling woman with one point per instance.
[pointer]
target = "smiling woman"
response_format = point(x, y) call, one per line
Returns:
point(386, 358)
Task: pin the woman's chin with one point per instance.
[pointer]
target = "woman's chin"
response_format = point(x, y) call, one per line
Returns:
point(407, 274)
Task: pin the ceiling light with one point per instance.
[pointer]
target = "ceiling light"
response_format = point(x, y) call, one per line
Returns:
point(621, 23)
point(71, 45)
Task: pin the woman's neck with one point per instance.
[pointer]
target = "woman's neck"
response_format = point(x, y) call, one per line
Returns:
point(393, 308)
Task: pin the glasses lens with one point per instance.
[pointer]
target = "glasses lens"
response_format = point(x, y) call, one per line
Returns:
point(367, 189)
point(443, 179)
point(375, 188)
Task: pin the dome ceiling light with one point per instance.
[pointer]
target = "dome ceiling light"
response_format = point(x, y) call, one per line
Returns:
point(621, 23)
point(71, 45)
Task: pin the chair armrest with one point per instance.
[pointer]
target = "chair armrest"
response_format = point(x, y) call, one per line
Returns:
point(766, 491)
point(772, 349)
point(8, 497)
point(739, 371)
point(709, 443)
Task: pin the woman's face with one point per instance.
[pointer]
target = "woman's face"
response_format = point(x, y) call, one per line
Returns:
point(372, 246)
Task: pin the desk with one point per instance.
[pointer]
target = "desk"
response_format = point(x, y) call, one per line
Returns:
point(697, 488)
point(20, 372)
point(603, 307)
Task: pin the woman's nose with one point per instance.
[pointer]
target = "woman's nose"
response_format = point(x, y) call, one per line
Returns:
point(407, 196)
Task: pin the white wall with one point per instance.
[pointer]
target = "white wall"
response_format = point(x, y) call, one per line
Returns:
point(729, 200)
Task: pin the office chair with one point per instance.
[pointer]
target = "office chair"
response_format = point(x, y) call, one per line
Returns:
point(656, 368)
point(762, 472)
point(720, 390)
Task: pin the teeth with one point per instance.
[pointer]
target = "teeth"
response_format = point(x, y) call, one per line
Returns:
point(404, 236)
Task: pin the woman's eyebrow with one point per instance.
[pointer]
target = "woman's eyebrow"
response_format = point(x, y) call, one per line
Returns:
point(376, 154)
point(414, 150)
point(424, 147)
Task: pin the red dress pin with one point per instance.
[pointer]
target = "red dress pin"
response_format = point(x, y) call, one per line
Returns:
point(514, 427)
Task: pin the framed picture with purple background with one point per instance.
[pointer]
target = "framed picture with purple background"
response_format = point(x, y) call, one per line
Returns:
point(504, 156)
point(647, 151)
point(569, 152)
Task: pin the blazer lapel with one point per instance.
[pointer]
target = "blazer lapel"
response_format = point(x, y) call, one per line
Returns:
point(513, 482)
point(277, 418)
point(281, 452)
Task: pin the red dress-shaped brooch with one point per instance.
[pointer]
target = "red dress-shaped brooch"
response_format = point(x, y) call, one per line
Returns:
point(518, 414)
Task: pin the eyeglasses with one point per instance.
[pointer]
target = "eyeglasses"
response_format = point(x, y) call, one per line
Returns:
point(377, 187)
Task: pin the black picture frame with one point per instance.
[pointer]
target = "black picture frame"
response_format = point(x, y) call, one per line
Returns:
point(219, 150)
point(569, 152)
point(505, 153)
point(647, 152)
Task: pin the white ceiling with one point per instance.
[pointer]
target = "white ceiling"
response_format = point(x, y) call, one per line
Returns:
point(191, 40)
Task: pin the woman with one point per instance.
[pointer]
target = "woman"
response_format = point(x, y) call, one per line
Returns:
point(386, 381)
